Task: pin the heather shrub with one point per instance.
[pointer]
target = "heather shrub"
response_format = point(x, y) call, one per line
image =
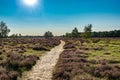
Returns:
point(71, 62)
point(41, 48)
point(13, 75)
point(1, 57)
point(107, 53)
point(114, 61)
point(102, 62)
point(57, 75)
point(19, 63)
point(69, 46)
point(117, 66)
point(1, 52)
point(4, 74)
point(95, 40)
point(101, 71)
point(98, 48)
point(93, 61)
point(7, 74)
point(114, 75)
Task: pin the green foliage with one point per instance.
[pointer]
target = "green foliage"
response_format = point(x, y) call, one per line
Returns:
point(48, 34)
point(87, 31)
point(69, 35)
point(114, 33)
point(14, 36)
point(75, 32)
point(3, 29)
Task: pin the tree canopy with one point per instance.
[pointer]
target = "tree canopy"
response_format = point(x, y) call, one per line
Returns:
point(87, 31)
point(48, 34)
point(4, 29)
point(75, 33)
point(114, 33)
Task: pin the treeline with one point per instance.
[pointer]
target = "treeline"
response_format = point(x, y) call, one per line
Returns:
point(87, 33)
point(47, 34)
point(114, 33)
point(76, 34)
point(3, 29)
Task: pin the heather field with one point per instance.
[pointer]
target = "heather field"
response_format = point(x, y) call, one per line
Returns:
point(59, 39)
point(60, 59)
point(18, 55)
point(89, 59)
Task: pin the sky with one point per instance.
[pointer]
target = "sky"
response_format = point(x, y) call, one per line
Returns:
point(59, 16)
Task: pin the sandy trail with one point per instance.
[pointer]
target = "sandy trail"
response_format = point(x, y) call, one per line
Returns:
point(44, 67)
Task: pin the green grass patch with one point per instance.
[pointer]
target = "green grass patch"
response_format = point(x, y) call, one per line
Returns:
point(34, 52)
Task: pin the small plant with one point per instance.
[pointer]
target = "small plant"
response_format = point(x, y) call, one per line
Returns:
point(107, 53)
point(1, 52)
point(41, 48)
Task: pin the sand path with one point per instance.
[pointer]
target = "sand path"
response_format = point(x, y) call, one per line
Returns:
point(44, 67)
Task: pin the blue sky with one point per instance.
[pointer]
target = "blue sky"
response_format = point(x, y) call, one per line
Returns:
point(60, 16)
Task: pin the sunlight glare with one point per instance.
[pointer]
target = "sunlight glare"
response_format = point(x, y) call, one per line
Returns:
point(30, 2)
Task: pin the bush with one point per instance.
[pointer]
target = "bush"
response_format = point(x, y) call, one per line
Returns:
point(41, 48)
point(17, 63)
point(3, 74)
point(95, 40)
point(13, 75)
point(1, 52)
point(69, 46)
point(71, 62)
point(107, 53)
point(114, 61)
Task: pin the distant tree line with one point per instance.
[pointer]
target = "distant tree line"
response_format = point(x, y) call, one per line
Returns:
point(87, 33)
point(114, 33)
point(15, 36)
point(76, 34)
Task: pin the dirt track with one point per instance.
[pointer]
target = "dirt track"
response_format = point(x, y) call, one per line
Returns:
point(44, 67)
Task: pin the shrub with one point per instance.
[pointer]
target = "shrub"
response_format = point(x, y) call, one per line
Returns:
point(93, 61)
point(102, 62)
point(3, 74)
point(1, 57)
point(1, 52)
point(98, 48)
point(114, 61)
point(19, 63)
point(58, 74)
point(69, 46)
point(95, 40)
point(41, 48)
point(107, 53)
point(13, 75)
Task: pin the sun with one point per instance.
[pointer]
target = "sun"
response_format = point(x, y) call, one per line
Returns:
point(30, 2)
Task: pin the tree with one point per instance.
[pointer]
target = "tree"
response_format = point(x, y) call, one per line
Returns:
point(75, 33)
point(88, 31)
point(114, 33)
point(48, 34)
point(69, 35)
point(14, 36)
point(3, 29)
